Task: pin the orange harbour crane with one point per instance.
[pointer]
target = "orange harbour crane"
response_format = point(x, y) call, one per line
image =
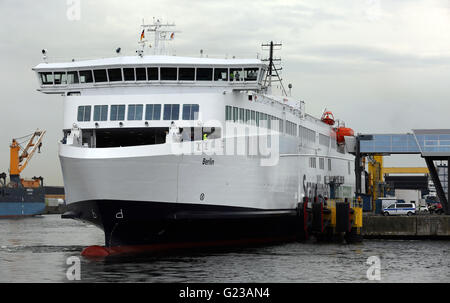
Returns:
point(21, 156)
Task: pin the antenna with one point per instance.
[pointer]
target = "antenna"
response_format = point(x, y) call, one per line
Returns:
point(44, 55)
point(272, 68)
point(162, 32)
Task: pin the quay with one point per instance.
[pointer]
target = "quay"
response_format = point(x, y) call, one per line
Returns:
point(406, 227)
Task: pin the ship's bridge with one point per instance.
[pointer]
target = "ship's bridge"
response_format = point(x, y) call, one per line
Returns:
point(147, 71)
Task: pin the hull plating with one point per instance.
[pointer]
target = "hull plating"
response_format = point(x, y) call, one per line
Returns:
point(19, 209)
point(145, 223)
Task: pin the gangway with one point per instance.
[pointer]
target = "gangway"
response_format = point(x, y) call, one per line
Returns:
point(431, 144)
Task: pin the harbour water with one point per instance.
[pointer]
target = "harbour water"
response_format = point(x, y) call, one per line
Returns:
point(37, 249)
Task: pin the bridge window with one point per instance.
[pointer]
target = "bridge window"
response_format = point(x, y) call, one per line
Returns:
point(247, 116)
point(262, 72)
point(100, 75)
point(190, 111)
point(168, 73)
point(86, 76)
point(84, 113)
point(220, 74)
point(135, 111)
point(250, 74)
point(47, 78)
point(235, 114)
point(60, 77)
point(117, 112)
point(153, 112)
point(186, 74)
point(253, 119)
point(204, 74)
point(128, 74)
point(72, 78)
point(241, 115)
point(115, 74)
point(152, 73)
point(291, 128)
point(100, 112)
point(228, 113)
point(236, 74)
point(277, 124)
point(307, 134)
point(171, 111)
point(141, 75)
point(263, 119)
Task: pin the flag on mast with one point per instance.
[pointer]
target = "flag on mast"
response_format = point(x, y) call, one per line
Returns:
point(172, 35)
point(142, 34)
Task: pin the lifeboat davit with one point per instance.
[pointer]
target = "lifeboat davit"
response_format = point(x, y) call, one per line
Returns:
point(328, 118)
point(341, 132)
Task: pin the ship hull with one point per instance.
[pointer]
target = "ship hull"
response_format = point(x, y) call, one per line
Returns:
point(21, 209)
point(144, 195)
point(131, 223)
point(21, 202)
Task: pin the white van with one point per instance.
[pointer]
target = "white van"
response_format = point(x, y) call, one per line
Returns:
point(400, 209)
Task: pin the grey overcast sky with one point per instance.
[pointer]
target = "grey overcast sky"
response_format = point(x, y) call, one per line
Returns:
point(379, 65)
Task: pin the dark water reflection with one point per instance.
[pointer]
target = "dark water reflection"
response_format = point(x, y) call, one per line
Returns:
point(36, 250)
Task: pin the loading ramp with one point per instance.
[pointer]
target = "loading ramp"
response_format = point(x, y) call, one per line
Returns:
point(431, 144)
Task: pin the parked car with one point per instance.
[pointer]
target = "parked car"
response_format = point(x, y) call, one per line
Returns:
point(423, 209)
point(408, 209)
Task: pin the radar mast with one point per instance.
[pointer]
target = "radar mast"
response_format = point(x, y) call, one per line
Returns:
point(162, 32)
point(272, 74)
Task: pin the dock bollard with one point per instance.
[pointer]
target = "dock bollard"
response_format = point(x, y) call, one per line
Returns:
point(302, 217)
point(317, 216)
point(343, 217)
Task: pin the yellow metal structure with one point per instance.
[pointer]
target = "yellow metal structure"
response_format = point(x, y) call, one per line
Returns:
point(376, 176)
point(357, 216)
point(405, 170)
point(19, 160)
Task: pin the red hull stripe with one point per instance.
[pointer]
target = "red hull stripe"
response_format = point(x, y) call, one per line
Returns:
point(102, 251)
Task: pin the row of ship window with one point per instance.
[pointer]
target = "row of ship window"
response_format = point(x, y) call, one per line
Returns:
point(136, 112)
point(149, 74)
point(313, 163)
point(251, 117)
point(246, 116)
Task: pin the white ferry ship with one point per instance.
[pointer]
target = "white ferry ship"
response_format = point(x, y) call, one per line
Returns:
point(166, 149)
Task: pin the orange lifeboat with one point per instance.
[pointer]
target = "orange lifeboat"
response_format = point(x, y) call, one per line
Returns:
point(341, 132)
point(328, 118)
